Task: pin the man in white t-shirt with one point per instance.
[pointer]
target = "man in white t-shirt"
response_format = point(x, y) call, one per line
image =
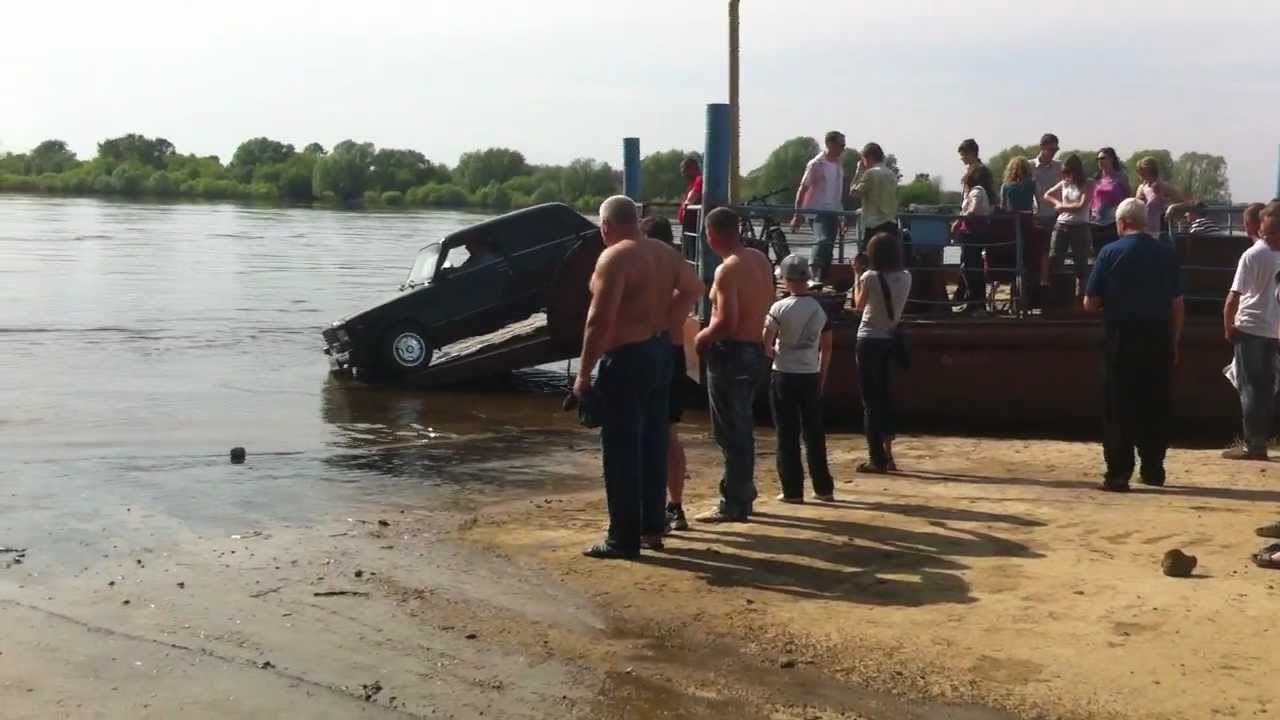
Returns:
point(1251, 318)
point(822, 188)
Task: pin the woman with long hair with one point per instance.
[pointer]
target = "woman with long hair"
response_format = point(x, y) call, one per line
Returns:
point(1018, 193)
point(1071, 198)
point(881, 294)
point(1110, 188)
point(1157, 194)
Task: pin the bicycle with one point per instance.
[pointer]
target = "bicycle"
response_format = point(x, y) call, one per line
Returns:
point(772, 239)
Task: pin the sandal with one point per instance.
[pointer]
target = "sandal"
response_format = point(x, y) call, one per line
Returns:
point(871, 468)
point(1269, 531)
point(1268, 557)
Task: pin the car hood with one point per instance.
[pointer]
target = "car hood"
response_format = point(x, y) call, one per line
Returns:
point(405, 295)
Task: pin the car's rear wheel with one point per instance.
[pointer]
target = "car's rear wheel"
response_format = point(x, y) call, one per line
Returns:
point(405, 349)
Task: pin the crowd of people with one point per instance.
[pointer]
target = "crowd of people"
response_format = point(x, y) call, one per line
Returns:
point(642, 293)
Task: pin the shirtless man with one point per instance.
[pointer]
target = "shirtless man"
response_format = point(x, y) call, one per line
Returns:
point(639, 289)
point(730, 345)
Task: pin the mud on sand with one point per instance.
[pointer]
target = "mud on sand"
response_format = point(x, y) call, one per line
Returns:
point(988, 581)
point(988, 573)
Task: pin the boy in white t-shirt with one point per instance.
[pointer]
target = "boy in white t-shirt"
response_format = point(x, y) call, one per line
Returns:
point(1251, 319)
point(797, 336)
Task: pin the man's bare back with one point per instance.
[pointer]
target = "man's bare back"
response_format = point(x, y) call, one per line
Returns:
point(742, 293)
point(644, 275)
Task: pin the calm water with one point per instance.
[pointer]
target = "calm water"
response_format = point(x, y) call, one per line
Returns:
point(139, 342)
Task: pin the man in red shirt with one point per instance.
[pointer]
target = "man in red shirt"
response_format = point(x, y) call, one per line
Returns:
point(692, 172)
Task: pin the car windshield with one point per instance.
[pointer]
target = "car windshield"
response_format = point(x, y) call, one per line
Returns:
point(424, 266)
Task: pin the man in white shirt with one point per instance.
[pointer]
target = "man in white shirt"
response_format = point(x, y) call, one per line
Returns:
point(1047, 173)
point(1251, 319)
point(822, 189)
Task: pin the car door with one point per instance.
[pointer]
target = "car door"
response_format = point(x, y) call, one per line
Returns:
point(477, 289)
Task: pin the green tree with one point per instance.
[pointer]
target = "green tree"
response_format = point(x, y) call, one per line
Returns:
point(161, 184)
point(51, 156)
point(314, 148)
point(1202, 176)
point(479, 168)
point(923, 190)
point(402, 169)
point(129, 179)
point(783, 168)
point(891, 162)
point(584, 177)
point(660, 175)
point(257, 152)
point(150, 152)
point(344, 173)
point(1164, 159)
point(294, 184)
point(14, 165)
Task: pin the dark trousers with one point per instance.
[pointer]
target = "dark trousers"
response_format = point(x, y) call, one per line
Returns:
point(824, 237)
point(733, 370)
point(975, 276)
point(879, 420)
point(633, 387)
point(867, 234)
point(1139, 390)
point(1255, 359)
point(796, 401)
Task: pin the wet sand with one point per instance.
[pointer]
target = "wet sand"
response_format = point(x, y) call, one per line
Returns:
point(987, 581)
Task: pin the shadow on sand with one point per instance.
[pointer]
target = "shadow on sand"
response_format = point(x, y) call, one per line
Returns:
point(845, 560)
point(1215, 493)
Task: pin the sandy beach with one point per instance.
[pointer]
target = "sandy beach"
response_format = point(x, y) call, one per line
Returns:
point(988, 580)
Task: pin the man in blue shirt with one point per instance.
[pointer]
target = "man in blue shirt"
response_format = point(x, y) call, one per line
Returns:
point(1137, 285)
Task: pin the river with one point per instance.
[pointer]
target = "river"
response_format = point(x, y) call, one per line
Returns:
point(142, 341)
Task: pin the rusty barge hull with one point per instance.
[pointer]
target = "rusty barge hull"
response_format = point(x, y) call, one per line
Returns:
point(1032, 375)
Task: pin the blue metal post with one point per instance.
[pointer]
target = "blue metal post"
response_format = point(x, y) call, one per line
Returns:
point(715, 189)
point(1277, 196)
point(631, 168)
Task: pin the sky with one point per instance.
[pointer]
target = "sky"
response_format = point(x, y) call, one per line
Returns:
point(563, 79)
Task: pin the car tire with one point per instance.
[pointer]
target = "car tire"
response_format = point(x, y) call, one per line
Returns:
point(405, 349)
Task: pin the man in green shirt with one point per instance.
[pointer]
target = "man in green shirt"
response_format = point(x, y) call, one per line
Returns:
point(877, 187)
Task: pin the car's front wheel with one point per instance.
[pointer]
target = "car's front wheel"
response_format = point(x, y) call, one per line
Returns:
point(405, 349)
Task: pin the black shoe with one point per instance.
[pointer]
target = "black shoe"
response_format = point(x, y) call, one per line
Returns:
point(605, 551)
point(651, 542)
point(1153, 479)
point(676, 518)
point(1116, 486)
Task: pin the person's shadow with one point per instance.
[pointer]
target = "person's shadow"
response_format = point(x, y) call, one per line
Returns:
point(836, 559)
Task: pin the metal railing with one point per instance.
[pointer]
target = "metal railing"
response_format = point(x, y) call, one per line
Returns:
point(936, 235)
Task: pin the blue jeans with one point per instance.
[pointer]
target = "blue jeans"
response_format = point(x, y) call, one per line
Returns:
point(824, 237)
point(879, 421)
point(633, 388)
point(1255, 359)
point(733, 372)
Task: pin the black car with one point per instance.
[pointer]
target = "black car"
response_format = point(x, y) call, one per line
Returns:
point(475, 281)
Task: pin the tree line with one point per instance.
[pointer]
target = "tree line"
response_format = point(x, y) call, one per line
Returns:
point(359, 173)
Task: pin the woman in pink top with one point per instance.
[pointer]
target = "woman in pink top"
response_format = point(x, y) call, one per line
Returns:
point(1110, 188)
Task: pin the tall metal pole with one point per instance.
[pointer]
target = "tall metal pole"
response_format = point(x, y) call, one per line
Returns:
point(1277, 195)
point(715, 190)
point(631, 168)
point(735, 118)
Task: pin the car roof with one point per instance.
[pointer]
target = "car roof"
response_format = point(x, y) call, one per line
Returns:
point(525, 228)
